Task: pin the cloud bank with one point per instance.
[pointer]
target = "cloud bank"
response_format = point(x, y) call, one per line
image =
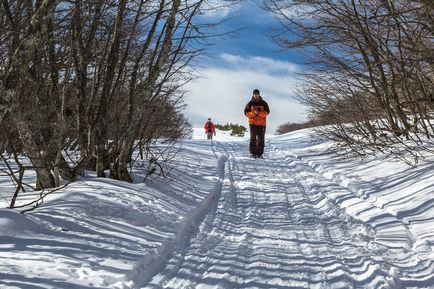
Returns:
point(226, 84)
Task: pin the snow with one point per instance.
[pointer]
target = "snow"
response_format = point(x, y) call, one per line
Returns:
point(300, 218)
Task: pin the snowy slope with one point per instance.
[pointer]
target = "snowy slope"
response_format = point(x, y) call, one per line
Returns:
point(300, 218)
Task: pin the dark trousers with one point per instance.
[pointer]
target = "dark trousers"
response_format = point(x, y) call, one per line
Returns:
point(257, 139)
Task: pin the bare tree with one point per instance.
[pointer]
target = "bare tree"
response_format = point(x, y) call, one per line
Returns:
point(24, 82)
point(84, 83)
point(371, 69)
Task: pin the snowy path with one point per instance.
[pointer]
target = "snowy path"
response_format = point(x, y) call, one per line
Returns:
point(301, 218)
point(280, 223)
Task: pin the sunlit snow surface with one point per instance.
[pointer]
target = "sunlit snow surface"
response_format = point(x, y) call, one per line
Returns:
point(299, 218)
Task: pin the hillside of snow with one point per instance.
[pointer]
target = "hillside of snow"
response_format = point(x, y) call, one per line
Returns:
point(300, 218)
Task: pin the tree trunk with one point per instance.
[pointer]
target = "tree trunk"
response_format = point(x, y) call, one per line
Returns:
point(102, 126)
point(38, 157)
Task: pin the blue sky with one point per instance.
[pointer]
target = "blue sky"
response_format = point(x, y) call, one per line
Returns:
point(238, 64)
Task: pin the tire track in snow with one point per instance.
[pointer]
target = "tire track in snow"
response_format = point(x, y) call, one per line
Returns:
point(152, 264)
point(391, 230)
point(273, 228)
point(394, 240)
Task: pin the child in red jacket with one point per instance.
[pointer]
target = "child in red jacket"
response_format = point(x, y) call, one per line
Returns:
point(209, 128)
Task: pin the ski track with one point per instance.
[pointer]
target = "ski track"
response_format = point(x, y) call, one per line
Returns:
point(281, 223)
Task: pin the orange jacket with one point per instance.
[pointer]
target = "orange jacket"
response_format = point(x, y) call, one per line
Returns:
point(257, 110)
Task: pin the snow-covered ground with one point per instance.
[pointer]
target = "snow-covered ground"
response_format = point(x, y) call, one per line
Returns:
point(299, 218)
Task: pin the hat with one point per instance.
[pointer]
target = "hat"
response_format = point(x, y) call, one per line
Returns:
point(256, 91)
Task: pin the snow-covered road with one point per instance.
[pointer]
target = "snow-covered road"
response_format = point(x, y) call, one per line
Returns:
point(281, 223)
point(300, 218)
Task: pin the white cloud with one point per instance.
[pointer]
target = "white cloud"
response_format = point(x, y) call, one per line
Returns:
point(219, 8)
point(222, 92)
point(266, 65)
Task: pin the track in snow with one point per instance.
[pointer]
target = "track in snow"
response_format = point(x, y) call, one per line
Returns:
point(275, 226)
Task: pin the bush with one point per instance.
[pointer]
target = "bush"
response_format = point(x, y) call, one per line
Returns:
point(236, 129)
point(293, 126)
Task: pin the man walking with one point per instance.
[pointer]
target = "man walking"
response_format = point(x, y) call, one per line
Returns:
point(257, 110)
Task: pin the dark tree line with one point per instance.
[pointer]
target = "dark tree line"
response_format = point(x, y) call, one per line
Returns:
point(371, 75)
point(99, 78)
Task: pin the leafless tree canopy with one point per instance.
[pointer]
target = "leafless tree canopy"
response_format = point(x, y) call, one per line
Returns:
point(97, 77)
point(371, 70)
